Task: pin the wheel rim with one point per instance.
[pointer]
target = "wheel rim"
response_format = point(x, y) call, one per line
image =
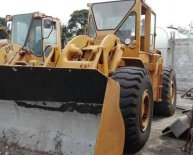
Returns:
point(172, 92)
point(145, 111)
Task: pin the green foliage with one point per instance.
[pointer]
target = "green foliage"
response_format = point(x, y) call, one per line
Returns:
point(2, 21)
point(2, 24)
point(77, 22)
point(64, 31)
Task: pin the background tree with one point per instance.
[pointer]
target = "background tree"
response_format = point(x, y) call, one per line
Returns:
point(77, 22)
point(63, 35)
point(2, 28)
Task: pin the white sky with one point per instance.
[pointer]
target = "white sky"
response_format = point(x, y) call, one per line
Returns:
point(169, 12)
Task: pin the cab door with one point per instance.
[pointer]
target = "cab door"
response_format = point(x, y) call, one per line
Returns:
point(51, 44)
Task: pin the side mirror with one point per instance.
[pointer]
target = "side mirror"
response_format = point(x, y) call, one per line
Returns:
point(48, 23)
point(49, 26)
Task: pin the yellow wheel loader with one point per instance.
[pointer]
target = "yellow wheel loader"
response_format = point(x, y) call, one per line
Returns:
point(47, 103)
point(96, 95)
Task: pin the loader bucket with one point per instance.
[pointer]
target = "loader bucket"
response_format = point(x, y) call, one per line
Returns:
point(67, 111)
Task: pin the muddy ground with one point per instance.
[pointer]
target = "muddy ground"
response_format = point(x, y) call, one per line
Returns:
point(157, 144)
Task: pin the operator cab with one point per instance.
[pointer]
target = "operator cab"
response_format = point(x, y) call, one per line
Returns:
point(128, 20)
point(34, 33)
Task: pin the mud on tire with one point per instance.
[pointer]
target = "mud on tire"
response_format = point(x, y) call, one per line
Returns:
point(136, 93)
point(168, 105)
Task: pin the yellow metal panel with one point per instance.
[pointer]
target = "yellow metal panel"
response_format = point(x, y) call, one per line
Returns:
point(108, 43)
point(111, 134)
point(144, 57)
point(135, 51)
point(156, 68)
point(80, 42)
point(147, 30)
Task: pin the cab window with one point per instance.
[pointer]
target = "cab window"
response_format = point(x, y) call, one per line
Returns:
point(127, 32)
point(35, 38)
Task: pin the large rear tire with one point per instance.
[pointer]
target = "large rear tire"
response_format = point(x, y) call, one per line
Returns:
point(168, 105)
point(136, 103)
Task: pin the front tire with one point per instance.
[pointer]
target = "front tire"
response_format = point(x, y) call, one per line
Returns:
point(136, 103)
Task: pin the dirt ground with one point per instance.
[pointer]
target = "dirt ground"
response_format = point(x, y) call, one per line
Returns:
point(159, 144)
point(156, 145)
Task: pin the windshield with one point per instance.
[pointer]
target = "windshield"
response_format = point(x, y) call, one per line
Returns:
point(20, 27)
point(109, 15)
